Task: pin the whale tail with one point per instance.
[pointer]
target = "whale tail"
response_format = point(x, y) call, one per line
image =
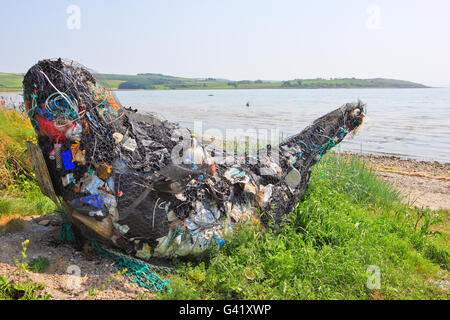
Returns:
point(285, 169)
point(324, 133)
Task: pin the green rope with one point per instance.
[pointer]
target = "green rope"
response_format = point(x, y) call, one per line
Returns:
point(66, 234)
point(137, 271)
point(173, 235)
point(327, 146)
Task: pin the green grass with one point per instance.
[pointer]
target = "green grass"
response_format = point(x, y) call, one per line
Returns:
point(25, 199)
point(19, 193)
point(40, 264)
point(348, 221)
point(10, 82)
point(24, 291)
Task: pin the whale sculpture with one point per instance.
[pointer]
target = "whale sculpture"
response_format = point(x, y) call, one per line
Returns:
point(148, 186)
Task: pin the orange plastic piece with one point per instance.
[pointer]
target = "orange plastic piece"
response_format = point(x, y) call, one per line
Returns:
point(104, 171)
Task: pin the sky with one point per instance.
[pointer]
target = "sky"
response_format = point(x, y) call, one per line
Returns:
point(234, 39)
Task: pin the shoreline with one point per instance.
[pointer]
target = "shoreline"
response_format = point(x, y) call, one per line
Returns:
point(420, 183)
point(406, 166)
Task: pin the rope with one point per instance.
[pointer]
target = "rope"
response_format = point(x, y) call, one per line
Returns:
point(66, 234)
point(327, 146)
point(137, 271)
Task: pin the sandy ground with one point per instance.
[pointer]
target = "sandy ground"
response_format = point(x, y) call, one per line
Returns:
point(421, 183)
point(60, 279)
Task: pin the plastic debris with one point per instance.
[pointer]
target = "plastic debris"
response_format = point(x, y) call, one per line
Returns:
point(219, 240)
point(293, 178)
point(104, 171)
point(98, 214)
point(95, 201)
point(122, 228)
point(77, 154)
point(91, 184)
point(67, 179)
point(68, 160)
point(118, 137)
point(129, 145)
point(74, 132)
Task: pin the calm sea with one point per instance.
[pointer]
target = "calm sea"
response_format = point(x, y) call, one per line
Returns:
point(409, 123)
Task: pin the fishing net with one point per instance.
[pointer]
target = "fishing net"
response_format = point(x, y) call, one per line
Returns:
point(146, 185)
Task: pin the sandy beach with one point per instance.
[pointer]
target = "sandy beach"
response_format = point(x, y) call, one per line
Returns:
point(421, 183)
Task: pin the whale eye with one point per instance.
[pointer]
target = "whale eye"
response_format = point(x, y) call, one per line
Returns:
point(356, 112)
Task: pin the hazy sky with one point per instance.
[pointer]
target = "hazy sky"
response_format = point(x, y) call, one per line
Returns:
point(234, 39)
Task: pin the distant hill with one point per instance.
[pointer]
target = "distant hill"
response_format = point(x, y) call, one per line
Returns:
point(11, 82)
point(154, 81)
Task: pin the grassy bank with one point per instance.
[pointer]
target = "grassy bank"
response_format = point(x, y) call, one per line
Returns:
point(11, 82)
point(19, 194)
point(347, 221)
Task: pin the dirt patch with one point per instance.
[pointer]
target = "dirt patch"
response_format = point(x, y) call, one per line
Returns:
point(59, 279)
point(5, 219)
point(420, 192)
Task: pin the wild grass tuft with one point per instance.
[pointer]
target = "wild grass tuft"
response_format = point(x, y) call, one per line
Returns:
point(19, 193)
point(40, 264)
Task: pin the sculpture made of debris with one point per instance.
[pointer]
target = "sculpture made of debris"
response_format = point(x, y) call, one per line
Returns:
point(148, 186)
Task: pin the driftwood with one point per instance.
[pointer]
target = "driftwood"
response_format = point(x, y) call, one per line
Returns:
point(41, 172)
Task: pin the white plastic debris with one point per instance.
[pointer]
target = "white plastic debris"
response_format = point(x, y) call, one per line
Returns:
point(130, 145)
point(74, 132)
point(91, 183)
point(68, 178)
point(118, 137)
point(122, 228)
point(195, 154)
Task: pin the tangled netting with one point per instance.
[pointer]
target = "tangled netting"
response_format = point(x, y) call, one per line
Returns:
point(149, 187)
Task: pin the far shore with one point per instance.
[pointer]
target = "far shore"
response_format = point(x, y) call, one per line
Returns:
point(213, 89)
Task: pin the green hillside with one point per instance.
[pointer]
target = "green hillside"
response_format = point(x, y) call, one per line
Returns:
point(12, 82)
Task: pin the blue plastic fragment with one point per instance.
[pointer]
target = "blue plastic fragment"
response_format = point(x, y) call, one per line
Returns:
point(219, 240)
point(120, 165)
point(236, 173)
point(110, 184)
point(68, 160)
point(95, 201)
